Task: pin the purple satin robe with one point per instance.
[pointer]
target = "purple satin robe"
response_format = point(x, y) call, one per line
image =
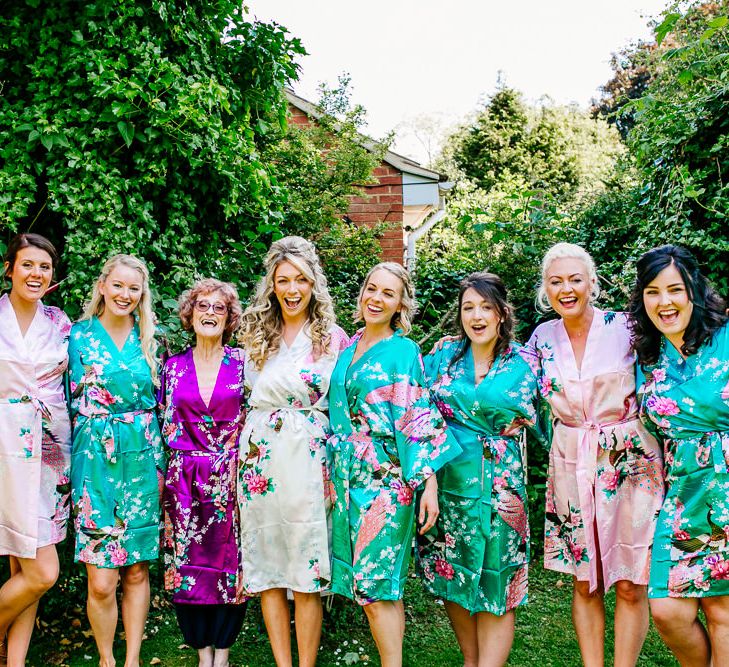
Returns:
point(202, 563)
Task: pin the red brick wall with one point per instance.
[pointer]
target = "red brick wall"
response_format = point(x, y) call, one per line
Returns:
point(381, 202)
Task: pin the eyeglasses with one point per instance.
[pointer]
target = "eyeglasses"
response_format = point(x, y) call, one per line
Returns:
point(205, 306)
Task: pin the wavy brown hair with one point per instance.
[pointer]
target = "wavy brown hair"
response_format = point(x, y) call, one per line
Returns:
point(492, 289)
point(262, 326)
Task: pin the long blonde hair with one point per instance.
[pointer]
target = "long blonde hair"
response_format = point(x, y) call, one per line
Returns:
point(262, 326)
point(143, 312)
point(403, 319)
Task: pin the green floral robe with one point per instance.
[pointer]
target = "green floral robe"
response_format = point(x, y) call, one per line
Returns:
point(478, 555)
point(388, 438)
point(117, 462)
point(687, 401)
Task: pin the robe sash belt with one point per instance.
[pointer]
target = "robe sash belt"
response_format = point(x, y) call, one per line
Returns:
point(225, 463)
point(592, 437)
point(111, 420)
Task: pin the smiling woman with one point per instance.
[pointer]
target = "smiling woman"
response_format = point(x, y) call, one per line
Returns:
point(291, 343)
point(117, 459)
point(204, 408)
point(35, 439)
point(681, 336)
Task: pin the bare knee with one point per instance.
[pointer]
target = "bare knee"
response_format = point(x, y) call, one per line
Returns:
point(102, 588)
point(135, 575)
point(717, 614)
point(582, 591)
point(630, 593)
point(672, 618)
point(41, 576)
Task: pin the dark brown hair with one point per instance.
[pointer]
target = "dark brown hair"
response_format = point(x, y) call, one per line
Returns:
point(709, 312)
point(21, 241)
point(491, 288)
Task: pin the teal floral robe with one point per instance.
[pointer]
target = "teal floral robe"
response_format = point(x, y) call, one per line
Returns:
point(388, 438)
point(478, 555)
point(687, 401)
point(117, 462)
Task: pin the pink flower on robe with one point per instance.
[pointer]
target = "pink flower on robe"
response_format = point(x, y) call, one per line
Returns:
point(659, 375)
point(100, 395)
point(666, 407)
point(117, 554)
point(257, 483)
point(444, 569)
point(404, 492)
point(719, 567)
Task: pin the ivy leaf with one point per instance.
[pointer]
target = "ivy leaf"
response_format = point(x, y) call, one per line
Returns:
point(127, 132)
point(665, 27)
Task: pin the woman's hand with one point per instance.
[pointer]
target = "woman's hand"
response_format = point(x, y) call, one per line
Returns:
point(439, 343)
point(428, 505)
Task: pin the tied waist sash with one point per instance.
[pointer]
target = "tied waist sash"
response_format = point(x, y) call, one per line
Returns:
point(112, 420)
point(592, 437)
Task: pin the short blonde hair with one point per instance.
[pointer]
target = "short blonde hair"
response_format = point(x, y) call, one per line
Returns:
point(403, 319)
point(186, 304)
point(566, 251)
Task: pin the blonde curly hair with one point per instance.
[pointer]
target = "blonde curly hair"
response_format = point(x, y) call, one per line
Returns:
point(403, 319)
point(143, 312)
point(262, 327)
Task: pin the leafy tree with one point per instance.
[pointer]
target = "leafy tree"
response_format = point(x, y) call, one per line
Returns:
point(674, 187)
point(134, 126)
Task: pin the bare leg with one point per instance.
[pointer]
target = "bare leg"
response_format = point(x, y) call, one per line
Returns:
point(308, 616)
point(464, 627)
point(717, 625)
point(588, 616)
point(276, 614)
point(21, 629)
point(631, 622)
point(19, 596)
point(205, 656)
point(135, 607)
point(387, 624)
point(495, 637)
point(102, 610)
point(222, 657)
point(677, 623)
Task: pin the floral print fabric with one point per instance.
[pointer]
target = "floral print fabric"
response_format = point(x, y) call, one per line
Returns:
point(117, 466)
point(687, 402)
point(283, 475)
point(201, 557)
point(605, 481)
point(35, 440)
point(389, 437)
point(477, 556)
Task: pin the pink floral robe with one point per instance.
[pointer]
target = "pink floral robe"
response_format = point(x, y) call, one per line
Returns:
point(35, 433)
point(605, 483)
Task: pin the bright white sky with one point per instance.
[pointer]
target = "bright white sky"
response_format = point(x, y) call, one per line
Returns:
point(408, 58)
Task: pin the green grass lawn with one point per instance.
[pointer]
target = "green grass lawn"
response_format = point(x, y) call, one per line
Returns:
point(544, 634)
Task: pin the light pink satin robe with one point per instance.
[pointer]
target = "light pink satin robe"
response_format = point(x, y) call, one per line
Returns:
point(605, 483)
point(35, 432)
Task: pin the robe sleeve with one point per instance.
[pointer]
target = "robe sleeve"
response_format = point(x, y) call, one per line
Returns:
point(543, 429)
point(423, 441)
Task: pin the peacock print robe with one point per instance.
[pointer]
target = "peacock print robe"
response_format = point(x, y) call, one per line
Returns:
point(477, 556)
point(389, 437)
point(605, 482)
point(117, 460)
point(687, 402)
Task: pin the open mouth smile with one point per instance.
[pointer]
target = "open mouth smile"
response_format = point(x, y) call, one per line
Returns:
point(668, 316)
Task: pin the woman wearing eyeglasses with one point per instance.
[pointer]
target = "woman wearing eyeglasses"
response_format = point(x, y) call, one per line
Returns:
point(117, 461)
point(202, 399)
